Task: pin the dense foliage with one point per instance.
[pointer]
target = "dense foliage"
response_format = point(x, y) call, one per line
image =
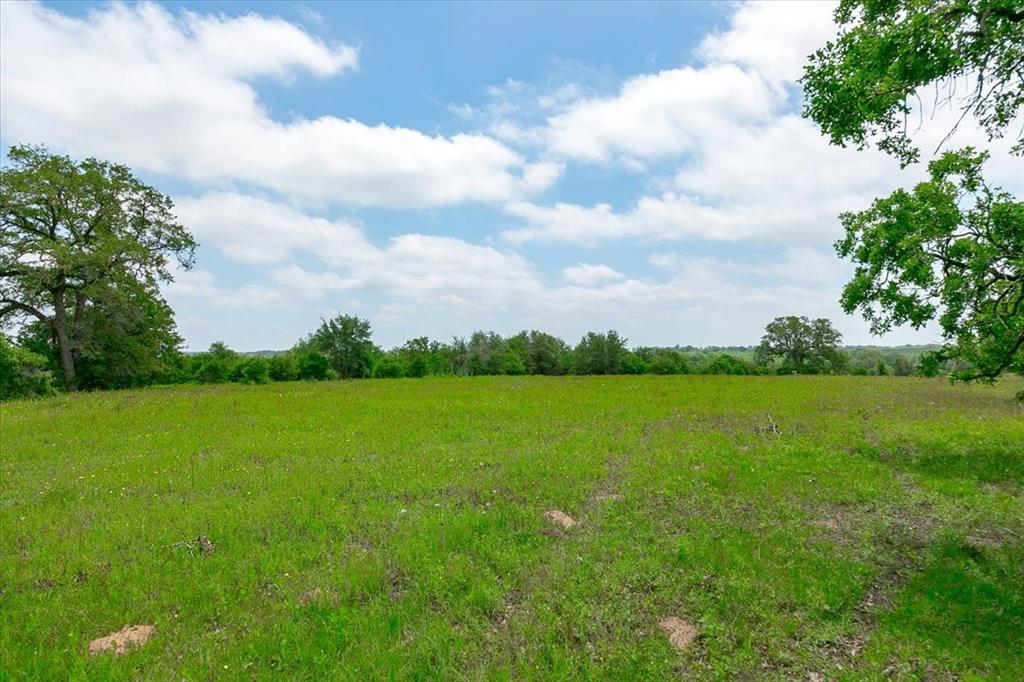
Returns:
point(801, 346)
point(345, 342)
point(22, 372)
point(83, 248)
point(954, 248)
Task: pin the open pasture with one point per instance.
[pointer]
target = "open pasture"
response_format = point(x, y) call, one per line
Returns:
point(782, 527)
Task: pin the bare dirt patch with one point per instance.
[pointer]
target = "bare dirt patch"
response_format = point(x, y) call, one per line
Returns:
point(607, 497)
point(681, 633)
point(122, 641)
point(561, 518)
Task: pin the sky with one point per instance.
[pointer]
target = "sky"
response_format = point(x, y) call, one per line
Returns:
point(443, 168)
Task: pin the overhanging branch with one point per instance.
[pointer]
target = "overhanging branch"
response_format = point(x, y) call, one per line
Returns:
point(10, 305)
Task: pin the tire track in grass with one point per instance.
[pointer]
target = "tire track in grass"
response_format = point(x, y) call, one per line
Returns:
point(571, 544)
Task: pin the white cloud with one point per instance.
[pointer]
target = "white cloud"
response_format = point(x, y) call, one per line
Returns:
point(259, 231)
point(673, 217)
point(585, 274)
point(749, 167)
point(659, 115)
point(172, 94)
point(312, 284)
point(773, 38)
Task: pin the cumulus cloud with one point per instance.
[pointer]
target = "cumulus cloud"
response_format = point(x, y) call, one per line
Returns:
point(658, 115)
point(414, 266)
point(260, 231)
point(173, 94)
point(675, 216)
point(256, 230)
point(199, 284)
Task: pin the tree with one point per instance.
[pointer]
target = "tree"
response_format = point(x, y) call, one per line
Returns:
point(665, 361)
point(484, 353)
point(128, 339)
point(254, 370)
point(600, 354)
point(346, 342)
point(804, 346)
point(416, 355)
point(952, 248)
point(74, 234)
point(216, 365)
point(389, 366)
point(545, 354)
point(860, 86)
point(723, 363)
point(282, 367)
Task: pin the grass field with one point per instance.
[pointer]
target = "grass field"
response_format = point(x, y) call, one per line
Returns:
point(396, 529)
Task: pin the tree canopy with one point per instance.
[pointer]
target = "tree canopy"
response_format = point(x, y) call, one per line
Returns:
point(861, 86)
point(346, 342)
point(83, 248)
point(951, 248)
point(802, 346)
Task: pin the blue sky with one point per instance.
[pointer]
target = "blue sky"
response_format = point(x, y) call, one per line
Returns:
point(440, 168)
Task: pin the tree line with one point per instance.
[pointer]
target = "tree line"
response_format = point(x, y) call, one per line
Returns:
point(343, 348)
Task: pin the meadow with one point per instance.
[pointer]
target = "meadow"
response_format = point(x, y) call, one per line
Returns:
point(806, 528)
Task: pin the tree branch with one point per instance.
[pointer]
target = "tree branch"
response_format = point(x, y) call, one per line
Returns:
point(12, 305)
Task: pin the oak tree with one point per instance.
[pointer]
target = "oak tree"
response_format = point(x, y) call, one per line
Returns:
point(74, 235)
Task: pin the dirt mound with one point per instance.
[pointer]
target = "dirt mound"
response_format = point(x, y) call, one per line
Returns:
point(561, 518)
point(681, 633)
point(120, 642)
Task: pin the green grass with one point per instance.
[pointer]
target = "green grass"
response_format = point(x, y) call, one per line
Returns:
point(879, 535)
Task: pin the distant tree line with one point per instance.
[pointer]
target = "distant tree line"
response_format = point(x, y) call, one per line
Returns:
point(342, 348)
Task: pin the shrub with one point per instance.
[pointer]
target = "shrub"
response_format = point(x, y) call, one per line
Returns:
point(389, 367)
point(282, 367)
point(23, 374)
point(314, 366)
point(253, 371)
point(726, 364)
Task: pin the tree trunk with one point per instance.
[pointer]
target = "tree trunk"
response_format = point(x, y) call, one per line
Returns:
point(60, 328)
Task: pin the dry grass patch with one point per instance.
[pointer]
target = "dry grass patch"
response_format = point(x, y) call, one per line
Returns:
point(681, 633)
